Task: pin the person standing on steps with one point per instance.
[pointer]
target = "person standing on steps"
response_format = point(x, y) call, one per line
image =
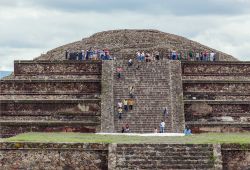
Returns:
point(162, 127)
point(157, 55)
point(130, 62)
point(131, 91)
point(125, 104)
point(120, 113)
point(119, 104)
point(142, 56)
point(165, 112)
point(130, 104)
point(66, 54)
point(138, 56)
point(119, 72)
point(123, 129)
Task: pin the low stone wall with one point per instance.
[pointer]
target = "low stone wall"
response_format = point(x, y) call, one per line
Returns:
point(18, 155)
point(50, 156)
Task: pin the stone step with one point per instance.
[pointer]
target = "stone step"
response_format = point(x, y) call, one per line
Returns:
point(150, 165)
point(55, 86)
point(211, 102)
point(48, 123)
point(49, 101)
point(247, 124)
point(85, 118)
point(53, 77)
point(186, 81)
point(217, 78)
point(62, 67)
point(44, 113)
point(50, 96)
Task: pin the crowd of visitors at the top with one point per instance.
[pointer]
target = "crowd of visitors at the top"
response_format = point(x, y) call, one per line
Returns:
point(104, 54)
point(88, 55)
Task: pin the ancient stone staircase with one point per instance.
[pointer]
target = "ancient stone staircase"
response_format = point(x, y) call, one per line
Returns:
point(152, 92)
point(165, 156)
point(223, 88)
point(51, 96)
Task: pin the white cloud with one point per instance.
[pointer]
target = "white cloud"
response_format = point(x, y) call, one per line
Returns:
point(26, 31)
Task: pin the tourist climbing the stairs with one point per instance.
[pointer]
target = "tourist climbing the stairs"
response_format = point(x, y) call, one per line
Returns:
point(131, 91)
point(119, 104)
point(131, 104)
point(120, 113)
point(130, 62)
point(125, 104)
point(119, 72)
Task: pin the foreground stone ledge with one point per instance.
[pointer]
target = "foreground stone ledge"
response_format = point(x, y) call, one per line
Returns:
point(51, 145)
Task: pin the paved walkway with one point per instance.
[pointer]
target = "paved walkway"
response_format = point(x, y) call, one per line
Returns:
point(144, 134)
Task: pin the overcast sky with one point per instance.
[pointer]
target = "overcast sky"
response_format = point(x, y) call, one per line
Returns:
point(31, 27)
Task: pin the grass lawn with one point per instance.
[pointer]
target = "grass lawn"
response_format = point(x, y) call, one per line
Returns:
point(204, 138)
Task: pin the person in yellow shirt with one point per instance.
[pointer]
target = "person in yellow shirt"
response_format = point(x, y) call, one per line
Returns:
point(120, 113)
point(125, 104)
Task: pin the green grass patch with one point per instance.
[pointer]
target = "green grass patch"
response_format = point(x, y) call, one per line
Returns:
point(205, 138)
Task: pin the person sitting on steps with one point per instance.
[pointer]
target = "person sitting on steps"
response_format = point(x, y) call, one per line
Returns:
point(127, 128)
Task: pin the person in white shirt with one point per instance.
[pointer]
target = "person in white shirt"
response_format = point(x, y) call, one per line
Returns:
point(162, 127)
point(130, 62)
point(119, 104)
point(212, 56)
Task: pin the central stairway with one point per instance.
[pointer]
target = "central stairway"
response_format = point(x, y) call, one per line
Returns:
point(153, 91)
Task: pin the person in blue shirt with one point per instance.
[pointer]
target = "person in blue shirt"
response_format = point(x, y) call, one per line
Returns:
point(187, 131)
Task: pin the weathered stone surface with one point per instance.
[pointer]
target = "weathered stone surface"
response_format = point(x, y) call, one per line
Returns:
point(123, 43)
point(216, 68)
point(164, 156)
point(54, 156)
point(107, 99)
point(50, 87)
point(224, 88)
point(56, 67)
point(19, 155)
point(236, 157)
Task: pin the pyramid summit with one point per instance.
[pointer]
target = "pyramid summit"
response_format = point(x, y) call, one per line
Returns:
point(128, 41)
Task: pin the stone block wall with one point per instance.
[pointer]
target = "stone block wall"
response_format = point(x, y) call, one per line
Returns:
point(53, 156)
point(21, 155)
point(50, 86)
point(155, 87)
point(63, 67)
point(217, 96)
point(51, 96)
point(236, 156)
point(107, 97)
